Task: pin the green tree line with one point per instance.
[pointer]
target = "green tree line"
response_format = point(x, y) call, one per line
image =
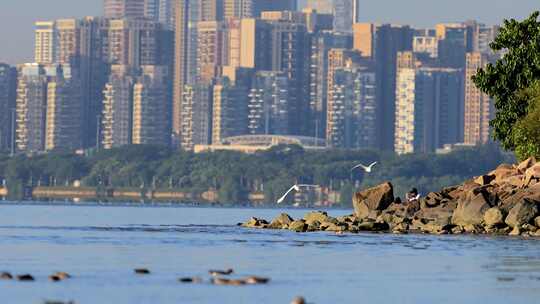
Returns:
point(233, 174)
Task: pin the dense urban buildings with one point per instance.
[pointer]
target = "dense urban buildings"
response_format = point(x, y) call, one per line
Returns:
point(8, 85)
point(188, 73)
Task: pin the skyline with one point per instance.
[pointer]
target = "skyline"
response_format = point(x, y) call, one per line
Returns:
point(17, 22)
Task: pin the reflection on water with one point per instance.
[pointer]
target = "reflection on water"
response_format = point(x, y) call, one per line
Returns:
point(102, 245)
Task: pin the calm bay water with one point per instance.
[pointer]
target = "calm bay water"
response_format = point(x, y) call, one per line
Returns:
point(101, 246)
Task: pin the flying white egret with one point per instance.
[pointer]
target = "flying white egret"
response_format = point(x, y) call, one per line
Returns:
point(295, 188)
point(368, 169)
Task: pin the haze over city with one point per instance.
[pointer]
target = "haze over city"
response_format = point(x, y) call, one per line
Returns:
point(17, 17)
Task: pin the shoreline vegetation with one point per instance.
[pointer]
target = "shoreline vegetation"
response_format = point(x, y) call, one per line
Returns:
point(505, 201)
point(159, 174)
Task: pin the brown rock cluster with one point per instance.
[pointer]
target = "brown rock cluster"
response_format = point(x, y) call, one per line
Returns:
point(504, 201)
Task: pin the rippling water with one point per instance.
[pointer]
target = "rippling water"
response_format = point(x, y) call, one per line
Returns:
point(101, 246)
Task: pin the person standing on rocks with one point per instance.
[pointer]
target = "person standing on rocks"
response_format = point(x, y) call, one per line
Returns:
point(412, 196)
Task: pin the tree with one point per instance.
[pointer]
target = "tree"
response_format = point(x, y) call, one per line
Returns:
point(526, 132)
point(517, 70)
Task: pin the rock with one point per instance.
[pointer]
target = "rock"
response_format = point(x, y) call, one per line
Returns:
point(25, 278)
point(457, 230)
point(335, 228)
point(537, 221)
point(493, 217)
point(515, 232)
point(503, 172)
point(440, 216)
point(253, 280)
point(141, 271)
point(280, 221)
point(401, 228)
point(529, 228)
point(314, 226)
point(484, 180)
point(319, 216)
point(255, 223)
point(470, 209)
point(6, 276)
point(376, 198)
point(223, 281)
point(298, 300)
point(526, 164)
point(372, 226)
point(470, 228)
point(432, 200)
point(298, 226)
point(532, 173)
point(216, 273)
point(194, 280)
point(522, 213)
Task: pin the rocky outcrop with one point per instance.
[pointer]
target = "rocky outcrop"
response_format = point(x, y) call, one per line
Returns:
point(373, 199)
point(503, 201)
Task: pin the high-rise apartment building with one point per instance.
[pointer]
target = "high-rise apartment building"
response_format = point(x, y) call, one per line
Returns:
point(230, 110)
point(479, 107)
point(117, 9)
point(345, 12)
point(429, 106)
point(45, 40)
point(454, 41)
point(63, 124)
point(321, 43)
point(352, 107)
point(150, 124)
point(116, 119)
point(31, 107)
point(8, 86)
point(212, 49)
point(48, 108)
point(289, 50)
point(254, 8)
point(180, 65)
point(381, 43)
point(197, 115)
point(268, 104)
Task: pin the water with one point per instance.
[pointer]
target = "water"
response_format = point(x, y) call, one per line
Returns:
point(101, 246)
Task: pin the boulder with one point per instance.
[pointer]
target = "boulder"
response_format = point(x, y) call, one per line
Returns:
point(335, 228)
point(377, 198)
point(440, 216)
point(522, 213)
point(298, 226)
point(526, 164)
point(537, 221)
point(532, 173)
point(372, 226)
point(282, 220)
point(493, 217)
point(255, 223)
point(433, 199)
point(503, 172)
point(470, 209)
point(319, 216)
point(484, 179)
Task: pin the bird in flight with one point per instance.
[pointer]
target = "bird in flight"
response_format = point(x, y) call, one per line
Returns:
point(368, 169)
point(295, 188)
